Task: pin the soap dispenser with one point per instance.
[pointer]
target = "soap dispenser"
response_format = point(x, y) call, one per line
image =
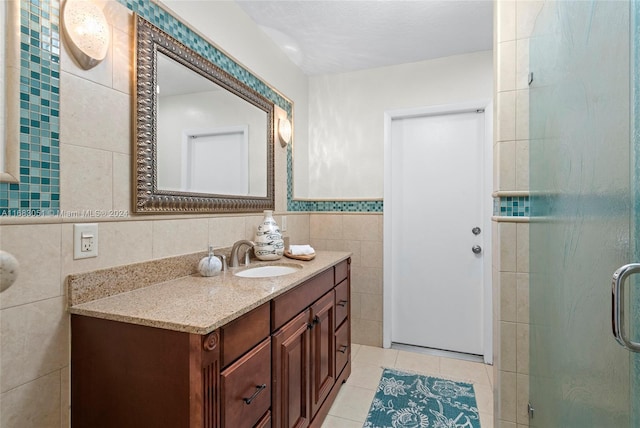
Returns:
point(209, 265)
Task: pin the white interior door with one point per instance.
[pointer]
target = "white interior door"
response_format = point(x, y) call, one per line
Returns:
point(217, 161)
point(437, 183)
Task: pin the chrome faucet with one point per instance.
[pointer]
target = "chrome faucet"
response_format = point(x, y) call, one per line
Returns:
point(234, 252)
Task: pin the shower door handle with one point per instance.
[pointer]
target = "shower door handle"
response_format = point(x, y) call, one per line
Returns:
point(618, 304)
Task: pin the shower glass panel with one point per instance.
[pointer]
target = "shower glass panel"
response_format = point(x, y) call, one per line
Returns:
point(582, 213)
point(635, 224)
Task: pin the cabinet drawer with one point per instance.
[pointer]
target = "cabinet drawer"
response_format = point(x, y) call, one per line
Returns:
point(342, 271)
point(343, 347)
point(245, 388)
point(290, 304)
point(342, 302)
point(244, 333)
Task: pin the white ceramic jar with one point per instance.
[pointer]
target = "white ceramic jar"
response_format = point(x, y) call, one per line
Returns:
point(268, 242)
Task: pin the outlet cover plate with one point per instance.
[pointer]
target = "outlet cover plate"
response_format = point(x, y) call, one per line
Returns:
point(83, 232)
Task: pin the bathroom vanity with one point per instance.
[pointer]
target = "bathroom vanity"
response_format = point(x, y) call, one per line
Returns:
point(212, 352)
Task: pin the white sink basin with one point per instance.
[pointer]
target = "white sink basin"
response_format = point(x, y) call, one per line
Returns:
point(268, 271)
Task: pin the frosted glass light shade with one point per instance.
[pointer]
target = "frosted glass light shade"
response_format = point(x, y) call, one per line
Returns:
point(284, 131)
point(86, 31)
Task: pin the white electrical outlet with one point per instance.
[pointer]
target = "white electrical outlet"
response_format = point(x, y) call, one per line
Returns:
point(283, 224)
point(85, 240)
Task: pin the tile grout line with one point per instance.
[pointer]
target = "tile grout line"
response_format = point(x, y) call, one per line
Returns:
point(476, 369)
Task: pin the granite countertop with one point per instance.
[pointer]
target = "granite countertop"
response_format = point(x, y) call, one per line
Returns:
point(199, 305)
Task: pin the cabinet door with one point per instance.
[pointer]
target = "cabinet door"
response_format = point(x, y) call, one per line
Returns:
point(323, 366)
point(291, 373)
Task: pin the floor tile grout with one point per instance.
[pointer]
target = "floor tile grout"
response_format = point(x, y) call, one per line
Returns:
point(373, 356)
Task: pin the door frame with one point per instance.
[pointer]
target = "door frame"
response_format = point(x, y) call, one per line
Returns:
point(487, 210)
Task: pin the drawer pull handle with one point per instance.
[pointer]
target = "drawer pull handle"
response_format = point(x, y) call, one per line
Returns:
point(343, 303)
point(316, 320)
point(343, 349)
point(259, 389)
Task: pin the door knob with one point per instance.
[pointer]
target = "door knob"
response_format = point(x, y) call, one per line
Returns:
point(477, 249)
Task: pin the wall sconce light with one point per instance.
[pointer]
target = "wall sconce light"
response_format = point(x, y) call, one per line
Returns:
point(284, 131)
point(86, 31)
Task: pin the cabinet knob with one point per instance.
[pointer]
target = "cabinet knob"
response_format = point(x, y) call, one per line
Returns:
point(259, 389)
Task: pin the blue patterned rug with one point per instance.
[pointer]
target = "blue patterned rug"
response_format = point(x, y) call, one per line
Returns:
point(408, 400)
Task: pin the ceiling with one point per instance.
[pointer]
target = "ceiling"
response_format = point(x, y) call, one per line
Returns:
point(338, 36)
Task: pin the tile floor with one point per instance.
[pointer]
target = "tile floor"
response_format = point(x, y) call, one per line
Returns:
point(352, 404)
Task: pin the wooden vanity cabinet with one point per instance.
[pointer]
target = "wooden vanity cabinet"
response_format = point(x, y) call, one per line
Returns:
point(125, 375)
point(279, 365)
point(306, 374)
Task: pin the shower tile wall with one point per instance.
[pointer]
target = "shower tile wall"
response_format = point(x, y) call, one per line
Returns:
point(513, 27)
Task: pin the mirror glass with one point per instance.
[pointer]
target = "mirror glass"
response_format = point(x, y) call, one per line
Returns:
point(209, 140)
point(204, 140)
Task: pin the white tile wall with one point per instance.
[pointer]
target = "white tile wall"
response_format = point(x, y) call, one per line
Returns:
point(33, 404)
point(33, 285)
point(108, 111)
point(34, 341)
point(362, 235)
point(86, 179)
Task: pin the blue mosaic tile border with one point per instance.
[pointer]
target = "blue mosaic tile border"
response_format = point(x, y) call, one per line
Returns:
point(38, 192)
point(159, 17)
point(512, 206)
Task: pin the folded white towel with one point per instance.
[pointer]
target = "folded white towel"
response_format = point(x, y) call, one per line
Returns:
point(301, 250)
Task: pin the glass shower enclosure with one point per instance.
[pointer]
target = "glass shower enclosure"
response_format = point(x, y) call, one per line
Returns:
point(584, 175)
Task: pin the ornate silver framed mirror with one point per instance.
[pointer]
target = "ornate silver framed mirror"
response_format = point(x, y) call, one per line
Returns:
point(204, 141)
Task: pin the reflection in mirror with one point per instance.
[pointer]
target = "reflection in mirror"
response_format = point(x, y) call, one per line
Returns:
point(204, 140)
point(209, 140)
